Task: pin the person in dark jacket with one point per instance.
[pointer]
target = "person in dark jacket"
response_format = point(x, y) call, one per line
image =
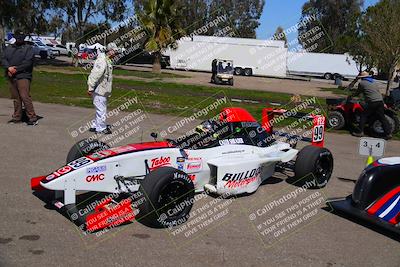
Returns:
point(17, 60)
point(375, 105)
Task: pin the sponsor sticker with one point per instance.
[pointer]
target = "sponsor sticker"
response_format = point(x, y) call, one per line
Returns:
point(123, 149)
point(79, 163)
point(63, 170)
point(232, 141)
point(101, 154)
point(95, 178)
point(50, 177)
point(160, 162)
point(180, 162)
point(193, 166)
point(241, 179)
point(96, 169)
point(192, 177)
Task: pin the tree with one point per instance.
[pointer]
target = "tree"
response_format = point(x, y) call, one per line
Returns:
point(337, 20)
point(27, 15)
point(56, 26)
point(280, 35)
point(381, 27)
point(6, 17)
point(242, 16)
point(160, 19)
point(79, 12)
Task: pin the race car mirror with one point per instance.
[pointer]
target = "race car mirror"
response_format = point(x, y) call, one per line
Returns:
point(372, 147)
point(154, 135)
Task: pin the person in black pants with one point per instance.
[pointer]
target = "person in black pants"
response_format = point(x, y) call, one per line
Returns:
point(213, 70)
point(17, 61)
point(375, 105)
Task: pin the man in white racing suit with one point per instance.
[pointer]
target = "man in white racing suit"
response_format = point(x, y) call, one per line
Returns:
point(100, 87)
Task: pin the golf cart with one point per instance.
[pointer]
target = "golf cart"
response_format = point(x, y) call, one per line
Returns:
point(222, 71)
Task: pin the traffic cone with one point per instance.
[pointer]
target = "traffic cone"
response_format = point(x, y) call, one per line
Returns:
point(370, 160)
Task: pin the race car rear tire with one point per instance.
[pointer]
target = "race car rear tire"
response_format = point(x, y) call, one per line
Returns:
point(168, 198)
point(314, 165)
point(85, 147)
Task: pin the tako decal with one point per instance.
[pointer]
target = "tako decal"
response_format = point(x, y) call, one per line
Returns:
point(231, 141)
point(96, 169)
point(240, 179)
point(159, 162)
point(79, 163)
point(95, 177)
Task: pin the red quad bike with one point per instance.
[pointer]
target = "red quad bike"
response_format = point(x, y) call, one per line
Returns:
point(345, 112)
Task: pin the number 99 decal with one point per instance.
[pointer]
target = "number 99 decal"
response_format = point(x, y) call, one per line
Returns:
point(318, 133)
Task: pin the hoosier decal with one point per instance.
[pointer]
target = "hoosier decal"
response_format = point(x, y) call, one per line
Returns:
point(234, 180)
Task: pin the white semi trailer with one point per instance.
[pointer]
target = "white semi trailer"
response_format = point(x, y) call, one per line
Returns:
point(258, 57)
point(323, 65)
point(250, 56)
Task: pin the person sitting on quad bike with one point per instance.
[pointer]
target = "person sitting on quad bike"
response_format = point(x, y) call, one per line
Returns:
point(375, 105)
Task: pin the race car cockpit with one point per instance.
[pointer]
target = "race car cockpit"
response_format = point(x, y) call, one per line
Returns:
point(219, 132)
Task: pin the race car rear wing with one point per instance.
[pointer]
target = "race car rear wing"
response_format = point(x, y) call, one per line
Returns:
point(317, 130)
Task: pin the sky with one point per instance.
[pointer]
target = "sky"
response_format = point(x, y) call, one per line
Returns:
point(285, 13)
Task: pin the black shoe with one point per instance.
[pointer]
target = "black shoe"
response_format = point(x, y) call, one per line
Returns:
point(357, 134)
point(92, 130)
point(32, 123)
point(106, 131)
point(14, 121)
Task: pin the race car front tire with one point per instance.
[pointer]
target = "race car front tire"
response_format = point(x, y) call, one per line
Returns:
point(168, 198)
point(85, 147)
point(314, 166)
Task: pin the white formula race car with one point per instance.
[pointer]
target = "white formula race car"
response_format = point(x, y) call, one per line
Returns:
point(156, 182)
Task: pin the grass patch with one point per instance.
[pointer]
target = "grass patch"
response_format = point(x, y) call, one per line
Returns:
point(123, 72)
point(336, 91)
point(154, 96)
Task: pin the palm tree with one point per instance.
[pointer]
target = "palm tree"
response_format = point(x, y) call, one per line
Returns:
point(160, 19)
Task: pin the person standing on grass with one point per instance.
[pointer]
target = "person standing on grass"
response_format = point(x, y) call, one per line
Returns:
point(100, 87)
point(17, 60)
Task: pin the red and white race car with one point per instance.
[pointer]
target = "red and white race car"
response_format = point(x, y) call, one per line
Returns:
point(156, 182)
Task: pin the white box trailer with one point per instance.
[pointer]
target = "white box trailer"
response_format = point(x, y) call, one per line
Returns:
point(321, 65)
point(250, 56)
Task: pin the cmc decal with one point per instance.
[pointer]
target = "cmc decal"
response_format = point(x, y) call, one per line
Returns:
point(95, 178)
